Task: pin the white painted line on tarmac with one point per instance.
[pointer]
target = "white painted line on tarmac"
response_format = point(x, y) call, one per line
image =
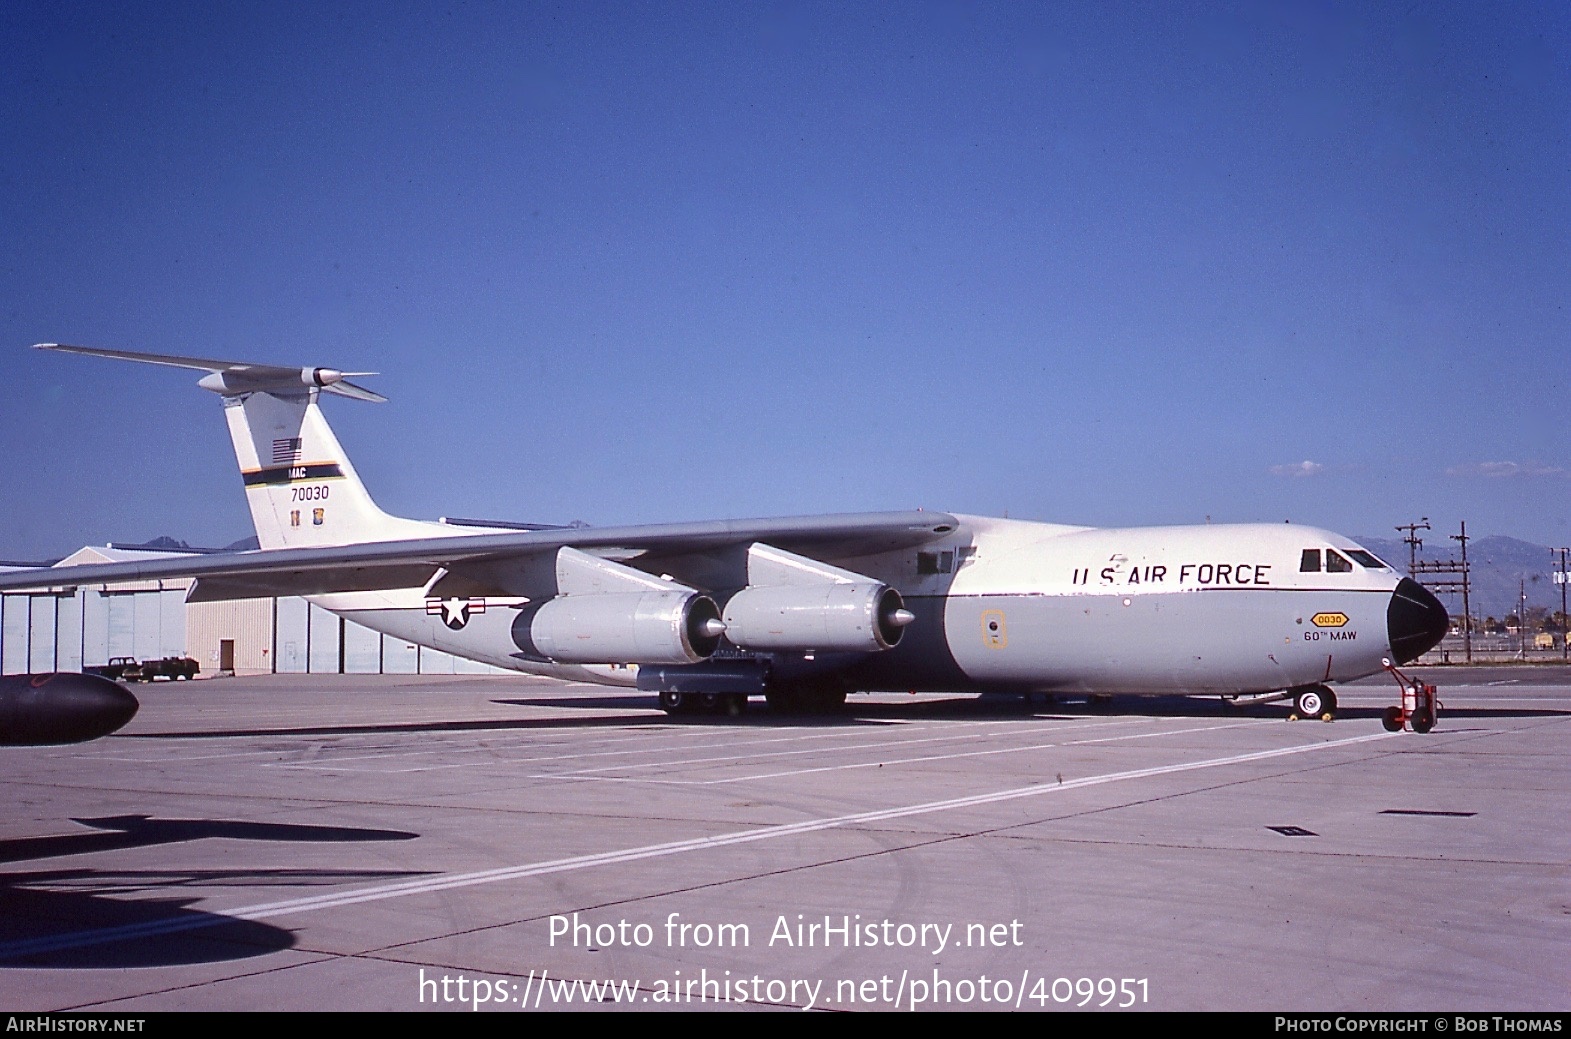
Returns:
point(881, 763)
point(340, 752)
point(332, 764)
point(878, 745)
point(428, 885)
point(1171, 732)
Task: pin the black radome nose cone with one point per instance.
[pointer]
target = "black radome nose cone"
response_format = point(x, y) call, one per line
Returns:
point(1415, 621)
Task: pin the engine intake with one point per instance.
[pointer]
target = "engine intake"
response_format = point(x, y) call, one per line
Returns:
point(840, 617)
point(666, 627)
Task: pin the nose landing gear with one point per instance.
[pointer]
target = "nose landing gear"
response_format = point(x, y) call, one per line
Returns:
point(1314, 701)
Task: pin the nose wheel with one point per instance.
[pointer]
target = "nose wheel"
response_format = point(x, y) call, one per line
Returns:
point(1315, 701)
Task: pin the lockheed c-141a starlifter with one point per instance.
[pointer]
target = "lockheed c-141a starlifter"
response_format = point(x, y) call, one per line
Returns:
point(798, 610)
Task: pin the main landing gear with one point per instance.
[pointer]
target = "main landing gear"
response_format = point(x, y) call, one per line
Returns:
point(728, 704)
point(792, 699)
point(1313, 701)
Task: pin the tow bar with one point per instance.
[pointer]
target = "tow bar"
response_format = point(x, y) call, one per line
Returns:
point(1419, 706)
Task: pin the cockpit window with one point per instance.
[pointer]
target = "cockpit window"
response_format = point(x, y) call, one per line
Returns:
point(1310, 563)
point(1335, 564)
point(1367, 560)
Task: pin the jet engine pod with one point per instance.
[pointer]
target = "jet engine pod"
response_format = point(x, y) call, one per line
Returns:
point(674, 627)
point(838, 617)
point(61, 708)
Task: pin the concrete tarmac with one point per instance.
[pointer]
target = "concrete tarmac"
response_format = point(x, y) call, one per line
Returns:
point(507, 844)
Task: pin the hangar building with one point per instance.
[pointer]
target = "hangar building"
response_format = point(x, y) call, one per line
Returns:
point(66, 629)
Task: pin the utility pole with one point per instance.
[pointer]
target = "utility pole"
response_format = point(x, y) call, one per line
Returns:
point(1449, 576)
point(1414, 542)
point(1521, 616)
point(1561, 579)
point(1467, 610)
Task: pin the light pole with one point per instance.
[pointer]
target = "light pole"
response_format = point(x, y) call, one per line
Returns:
point(1521, 616)
point(1561, 579)
point(1467, 608)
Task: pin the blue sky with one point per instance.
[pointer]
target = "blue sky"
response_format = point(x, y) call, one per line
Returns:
point(1111, 264)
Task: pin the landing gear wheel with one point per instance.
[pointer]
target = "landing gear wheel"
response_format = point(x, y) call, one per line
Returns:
point(1315, 702)
point(733, 704)
point(1392, 719)
point(1423, 720)
point(672, 702)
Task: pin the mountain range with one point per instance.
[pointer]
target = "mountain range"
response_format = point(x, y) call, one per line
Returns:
point(1498, 567)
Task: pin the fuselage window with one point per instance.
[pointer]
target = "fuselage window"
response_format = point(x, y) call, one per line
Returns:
point(935, 562)
point(1335, 564)
point(1366, 560)
point(1310, 564)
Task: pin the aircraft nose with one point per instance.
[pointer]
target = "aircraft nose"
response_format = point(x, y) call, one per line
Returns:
point(1415, 621)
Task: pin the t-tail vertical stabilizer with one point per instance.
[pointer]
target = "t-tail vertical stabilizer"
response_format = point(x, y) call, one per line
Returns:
point(301, 487)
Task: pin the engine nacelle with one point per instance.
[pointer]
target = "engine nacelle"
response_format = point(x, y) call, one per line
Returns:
point(837, 617)
point(665, 627)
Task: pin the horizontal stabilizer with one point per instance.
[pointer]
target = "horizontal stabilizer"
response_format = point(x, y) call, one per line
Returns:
point(233, 378)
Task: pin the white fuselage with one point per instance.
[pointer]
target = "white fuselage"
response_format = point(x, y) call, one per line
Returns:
point(1011, 605)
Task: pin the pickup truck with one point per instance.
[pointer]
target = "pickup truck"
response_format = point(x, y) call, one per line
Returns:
point(126, 669)
point(120, 669)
